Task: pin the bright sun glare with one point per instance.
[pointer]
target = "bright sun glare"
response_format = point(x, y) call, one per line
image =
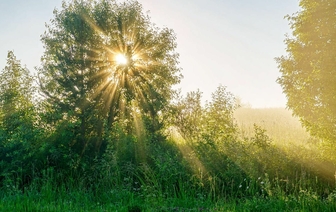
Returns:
point(121, 59)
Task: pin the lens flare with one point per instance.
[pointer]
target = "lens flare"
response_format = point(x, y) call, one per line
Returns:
point(121, 59)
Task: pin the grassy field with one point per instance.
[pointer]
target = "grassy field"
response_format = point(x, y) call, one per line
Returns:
point(121, 200)
point(287, 175)
point(279, 123)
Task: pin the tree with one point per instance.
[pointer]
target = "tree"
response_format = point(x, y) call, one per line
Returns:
point(213, 123)
point(18, 133)
point(103, 62)
point(308, 76)
point(16, 95)
point(189, 114)
point(219, 119)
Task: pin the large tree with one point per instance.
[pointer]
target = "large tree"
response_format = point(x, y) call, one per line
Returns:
point(308, 71)
point(105, 61)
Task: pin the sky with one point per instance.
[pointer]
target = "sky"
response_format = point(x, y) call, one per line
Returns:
point(232, 43)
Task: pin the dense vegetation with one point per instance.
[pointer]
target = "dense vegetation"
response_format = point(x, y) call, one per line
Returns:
point(95, 133)
point(308, 70)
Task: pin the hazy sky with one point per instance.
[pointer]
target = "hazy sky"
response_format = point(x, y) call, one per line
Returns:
point(228, 42)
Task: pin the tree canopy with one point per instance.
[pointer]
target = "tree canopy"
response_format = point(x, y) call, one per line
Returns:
point(308, 74)
point(105, 61)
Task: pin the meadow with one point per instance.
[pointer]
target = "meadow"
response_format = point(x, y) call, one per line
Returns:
point(100, 127)
point(279, 123)
point(274, 167)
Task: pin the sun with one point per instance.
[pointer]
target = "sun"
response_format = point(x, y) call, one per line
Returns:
point(121, 59)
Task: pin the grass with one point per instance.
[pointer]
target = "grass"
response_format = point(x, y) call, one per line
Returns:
point(119, 200)
point(237, 178)
point(70, 197)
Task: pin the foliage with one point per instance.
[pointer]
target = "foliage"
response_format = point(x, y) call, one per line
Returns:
point(307, 71)
point(219, 123)
point(18, 122)
point(111, 136)
point(85, 84)
point(213, 122)
point(188, 115)
point(16, 94)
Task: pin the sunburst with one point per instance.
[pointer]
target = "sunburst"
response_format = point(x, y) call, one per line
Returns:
point(131, 56)
point(121, 59)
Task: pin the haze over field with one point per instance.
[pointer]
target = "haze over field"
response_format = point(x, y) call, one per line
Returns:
point(110, 133)
point(229, 42)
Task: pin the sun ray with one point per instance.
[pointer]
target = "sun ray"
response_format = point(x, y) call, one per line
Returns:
point(124, 66)
point(197, 166)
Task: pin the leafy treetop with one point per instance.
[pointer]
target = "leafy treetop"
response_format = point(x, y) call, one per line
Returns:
point(308, 70)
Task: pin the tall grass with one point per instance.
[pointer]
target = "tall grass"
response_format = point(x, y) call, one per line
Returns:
point(71, 197)
point(250, 173)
